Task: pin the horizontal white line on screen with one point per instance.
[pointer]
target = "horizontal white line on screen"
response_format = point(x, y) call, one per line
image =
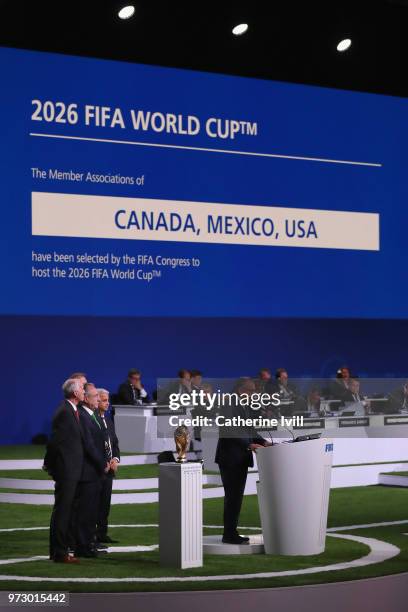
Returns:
point(208, 150)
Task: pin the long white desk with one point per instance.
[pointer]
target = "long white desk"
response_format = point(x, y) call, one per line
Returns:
point(137, 427)
point(371, 439)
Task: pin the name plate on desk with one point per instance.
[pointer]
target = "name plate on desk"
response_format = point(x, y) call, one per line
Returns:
point(396, 420)
point(354, 422)
point(311, 424)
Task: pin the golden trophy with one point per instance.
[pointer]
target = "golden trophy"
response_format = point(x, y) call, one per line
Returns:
point(182, 440)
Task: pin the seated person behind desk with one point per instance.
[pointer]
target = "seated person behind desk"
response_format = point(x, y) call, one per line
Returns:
point(196, 379)
point(287, 392)
point(313, 403)
point(131, 392)
point(179, 386)
point(353, 399)
point(339, 387)
point(183, 384)
point(281, 385)
point(398, 399)
point(264, 378)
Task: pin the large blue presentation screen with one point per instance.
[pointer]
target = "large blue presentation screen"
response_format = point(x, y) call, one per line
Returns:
point(137, 190)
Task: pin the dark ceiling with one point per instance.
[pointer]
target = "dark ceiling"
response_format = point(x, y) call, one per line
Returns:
point(288, 40)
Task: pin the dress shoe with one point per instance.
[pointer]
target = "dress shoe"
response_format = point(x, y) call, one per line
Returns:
point(108, 540)
point(237, 539)
point(245, 538)
point(100, 546)
point(66, 559)
point(87, 554)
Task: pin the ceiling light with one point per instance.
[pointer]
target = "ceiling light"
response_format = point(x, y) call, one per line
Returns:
point(240, 29)
point(344, 44)
point(126, 12)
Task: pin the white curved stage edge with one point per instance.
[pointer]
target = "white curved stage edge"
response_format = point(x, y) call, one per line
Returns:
point(377, 595)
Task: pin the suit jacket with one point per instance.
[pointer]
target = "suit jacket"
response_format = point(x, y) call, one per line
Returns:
point(94, 441)
point(64, 456)
point(397, 400)
point(126, 397)
point(349, 397)
point(233, 442)
point(272, 386)
point(339, 391)
point(175, 386)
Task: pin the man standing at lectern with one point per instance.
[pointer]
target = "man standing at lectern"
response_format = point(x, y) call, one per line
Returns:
point(234, 457)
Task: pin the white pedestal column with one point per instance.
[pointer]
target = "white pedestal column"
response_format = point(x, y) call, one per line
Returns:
point(180, 515)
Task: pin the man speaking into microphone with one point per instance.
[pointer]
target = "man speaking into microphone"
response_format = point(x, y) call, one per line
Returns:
point(234, 457)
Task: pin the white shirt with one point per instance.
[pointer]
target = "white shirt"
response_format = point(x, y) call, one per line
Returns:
point(73, 405)
point(142, 391)
point(89, 411)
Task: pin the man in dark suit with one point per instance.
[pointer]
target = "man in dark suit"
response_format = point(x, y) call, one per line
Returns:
point(263, 380)
point(353, 394)
point(398, 399)
point(113, 458)
point(64, 461)
point(234, 457)
point(354, 400)
point(339, 388)
point(131, 392)
point(196, 379)
point(313, 402)
point(94, 467)
point(281, 385)
point(291, 401)
point(179, 386)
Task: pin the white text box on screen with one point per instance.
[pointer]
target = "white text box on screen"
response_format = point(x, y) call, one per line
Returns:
point(109, 217)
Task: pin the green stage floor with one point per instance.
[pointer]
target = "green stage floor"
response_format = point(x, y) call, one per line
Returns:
point(348, 507)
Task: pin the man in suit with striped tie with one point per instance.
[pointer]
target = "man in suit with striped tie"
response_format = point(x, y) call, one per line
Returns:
point(113, 458)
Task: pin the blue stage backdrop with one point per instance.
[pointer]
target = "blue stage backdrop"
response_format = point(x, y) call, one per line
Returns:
point(164, 218)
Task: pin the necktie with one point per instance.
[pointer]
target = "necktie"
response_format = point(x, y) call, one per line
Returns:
point(76, 413)
point(96, 420)
point(108, 447)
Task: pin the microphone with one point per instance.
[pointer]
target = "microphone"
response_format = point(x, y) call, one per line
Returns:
point(290, 431)
point(270, 435)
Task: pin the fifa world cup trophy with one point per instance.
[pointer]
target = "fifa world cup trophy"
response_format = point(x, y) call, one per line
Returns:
point(182, 440)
